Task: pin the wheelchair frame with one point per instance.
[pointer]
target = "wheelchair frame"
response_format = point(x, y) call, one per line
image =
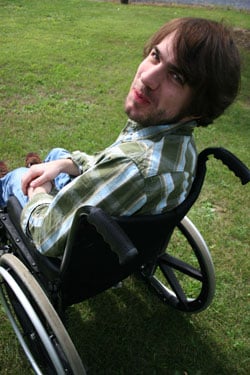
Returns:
point(100, 252)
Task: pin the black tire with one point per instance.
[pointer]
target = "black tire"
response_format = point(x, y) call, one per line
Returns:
point(184, 276)
point(38, 328)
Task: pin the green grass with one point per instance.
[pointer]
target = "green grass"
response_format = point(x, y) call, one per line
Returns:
point(66, 67)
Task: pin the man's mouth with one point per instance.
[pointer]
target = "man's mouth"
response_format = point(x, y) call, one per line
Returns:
point(140, 97)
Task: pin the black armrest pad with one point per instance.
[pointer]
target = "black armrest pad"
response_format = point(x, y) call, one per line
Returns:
point(14, 209)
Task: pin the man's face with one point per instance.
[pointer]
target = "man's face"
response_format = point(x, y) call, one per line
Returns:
point(159, 94)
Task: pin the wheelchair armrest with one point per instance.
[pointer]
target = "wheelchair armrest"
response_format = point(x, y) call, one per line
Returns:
point(14, 209)
point(109, 230)
point(112, 233)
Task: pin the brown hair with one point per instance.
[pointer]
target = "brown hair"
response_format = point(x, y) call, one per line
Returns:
point(209, 60)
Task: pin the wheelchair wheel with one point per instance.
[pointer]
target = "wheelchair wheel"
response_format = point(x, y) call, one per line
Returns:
point(184, 275)
point(37, 326)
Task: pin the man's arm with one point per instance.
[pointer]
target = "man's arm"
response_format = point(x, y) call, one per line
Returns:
point(39, 175)
point(115, 185)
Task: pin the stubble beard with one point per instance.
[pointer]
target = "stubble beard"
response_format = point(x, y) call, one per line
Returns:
point(158, 118)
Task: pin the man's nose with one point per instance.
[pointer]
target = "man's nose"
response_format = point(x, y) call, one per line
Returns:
point(152, 77)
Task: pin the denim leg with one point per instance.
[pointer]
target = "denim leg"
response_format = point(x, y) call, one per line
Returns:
point(63, 178)
point(10, 184)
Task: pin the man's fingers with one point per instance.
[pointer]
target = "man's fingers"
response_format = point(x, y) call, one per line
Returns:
point(29, 179)
point(38, 181)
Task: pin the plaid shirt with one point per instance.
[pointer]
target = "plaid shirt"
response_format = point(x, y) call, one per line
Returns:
point(145, 171)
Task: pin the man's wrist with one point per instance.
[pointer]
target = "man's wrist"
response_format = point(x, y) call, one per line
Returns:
point(44, 189)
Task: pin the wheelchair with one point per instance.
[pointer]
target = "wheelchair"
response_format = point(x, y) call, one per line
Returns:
point(100, 252)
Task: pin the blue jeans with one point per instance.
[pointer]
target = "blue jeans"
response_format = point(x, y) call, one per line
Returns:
point(10, 184)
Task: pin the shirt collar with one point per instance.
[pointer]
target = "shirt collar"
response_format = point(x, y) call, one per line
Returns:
point(134, 131)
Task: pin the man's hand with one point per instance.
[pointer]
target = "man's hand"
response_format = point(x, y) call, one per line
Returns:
point(40, 174)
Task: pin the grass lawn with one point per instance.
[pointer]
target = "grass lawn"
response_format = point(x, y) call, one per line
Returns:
point(66, 67)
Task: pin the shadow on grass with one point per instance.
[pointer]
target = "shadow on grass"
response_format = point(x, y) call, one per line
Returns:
point(129, 331)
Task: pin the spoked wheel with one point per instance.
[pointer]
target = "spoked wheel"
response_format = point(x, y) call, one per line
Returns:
point(184, 275)
point(38, 328)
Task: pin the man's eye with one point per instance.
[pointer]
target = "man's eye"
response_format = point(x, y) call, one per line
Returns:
point(178, 78)
point(154, 55)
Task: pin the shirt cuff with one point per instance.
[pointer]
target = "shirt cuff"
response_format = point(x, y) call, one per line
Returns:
point(38, 200)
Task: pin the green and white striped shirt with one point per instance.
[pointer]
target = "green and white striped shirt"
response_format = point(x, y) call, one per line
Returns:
point(145, 171)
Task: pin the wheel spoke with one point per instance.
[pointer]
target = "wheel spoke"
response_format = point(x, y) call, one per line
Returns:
point(168, 261)
point(174, 283)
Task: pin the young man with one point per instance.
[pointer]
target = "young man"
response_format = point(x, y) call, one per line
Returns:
point(189, 76)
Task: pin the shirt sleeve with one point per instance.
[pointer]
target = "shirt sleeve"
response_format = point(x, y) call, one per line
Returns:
point(82, 160)
point(114, 184)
